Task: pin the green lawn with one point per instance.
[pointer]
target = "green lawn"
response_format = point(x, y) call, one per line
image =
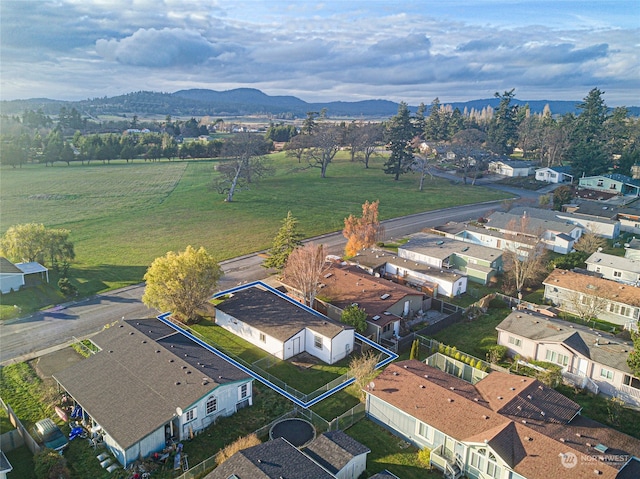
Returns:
point(122, 216)
point(22, 462)
point(475, 337)
point(23, 390)
point(389, 452)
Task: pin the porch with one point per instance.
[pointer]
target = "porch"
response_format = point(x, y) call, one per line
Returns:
point(448, 462)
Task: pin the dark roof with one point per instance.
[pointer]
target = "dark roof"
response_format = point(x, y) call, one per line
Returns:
point(623, 179)
point(384, 475)
point(7, 267)
point(333, 450)
point(276, 316)
point(134, 384)
point(598, 346)
point(270, 460)
point(631, 471)
point(5, 465)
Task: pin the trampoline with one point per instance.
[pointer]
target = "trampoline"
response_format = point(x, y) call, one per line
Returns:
point(297, 431)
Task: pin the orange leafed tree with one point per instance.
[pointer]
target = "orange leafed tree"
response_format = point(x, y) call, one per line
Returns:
point(362, 232)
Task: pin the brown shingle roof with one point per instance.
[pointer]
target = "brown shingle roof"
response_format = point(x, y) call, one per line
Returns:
point(531, 446)
point(593, 286)
point(345, 285)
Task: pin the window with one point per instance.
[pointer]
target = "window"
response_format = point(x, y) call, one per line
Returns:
point(317, 341)
point(190, 415)
point(212, 405)
point(477, 459)
point(386, 328)
point(492, 466)
point(605, 373)
point(600, 183)
point(617, 274)
point(263, 337)
point(425, 431)
point(515, 341)
point(631, 381)
point(243, 391)
point(613, 186)
point(558, 358)
point(481, 457)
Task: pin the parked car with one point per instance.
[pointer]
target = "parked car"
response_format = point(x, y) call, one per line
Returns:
point(51, 435)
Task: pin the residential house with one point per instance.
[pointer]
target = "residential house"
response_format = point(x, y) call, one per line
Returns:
point(15, 276)
point(11, 277)
point(615, 268)
point(478, 263)
point(282, 326)
point(615, 183)
point(524, 227)
point(5, 466)
point(556, 174)
point(384, 301)
point(429, 279)
point(589, 359)
point(504, 426)
point(149, 383)
point(629, 219)
point(512, 168)
point(339, 453)
point(607, 300)
point(333, 455)
point(632, 249)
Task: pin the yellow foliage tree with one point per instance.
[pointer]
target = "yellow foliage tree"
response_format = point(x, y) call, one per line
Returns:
point(181, 282)
point(362, 232)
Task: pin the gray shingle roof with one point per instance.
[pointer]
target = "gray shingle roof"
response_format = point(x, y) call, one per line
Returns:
point(134, 384)
point(278, 317)
point(7, 266)
point(270, 460)
point(441, 247)
point(333, 450)
point(610, 351)
point(534, 225)
point(617, 262)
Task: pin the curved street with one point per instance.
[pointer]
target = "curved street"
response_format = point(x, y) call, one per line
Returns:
point(29, 337)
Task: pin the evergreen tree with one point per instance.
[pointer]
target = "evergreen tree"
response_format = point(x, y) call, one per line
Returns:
point(400, 132)
point(286, 240)
point(503, 127)
point(587, 151)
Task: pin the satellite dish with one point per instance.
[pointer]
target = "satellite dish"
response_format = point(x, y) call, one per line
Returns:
point(179, 411)
point(372, 385)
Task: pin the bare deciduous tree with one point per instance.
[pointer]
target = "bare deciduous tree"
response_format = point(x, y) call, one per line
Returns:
point(304, 270)
point(363, 369)
point(590, 242)
point(325, 143)
point(587, 307)
point(524, 255)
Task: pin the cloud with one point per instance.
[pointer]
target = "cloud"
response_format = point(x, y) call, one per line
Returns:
point(159, 48)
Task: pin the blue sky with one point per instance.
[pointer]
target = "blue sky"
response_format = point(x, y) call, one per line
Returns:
point(406, 50)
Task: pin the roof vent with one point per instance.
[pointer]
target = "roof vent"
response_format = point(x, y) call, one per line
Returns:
point(395, 373)
point(527, 438)
point(170, 360)
point(426, 376)
point(578, 434)
point(157, 350)
point(601, 448)
point(452, 388)
point(484, 416)
point(121, 326)
point(540, 387)
point(422, 386)
point(524, 421)
point(177, 383)
point(512, 389)
point(205, 382)
point(449, 399)
point(499, 397)
point(562, 439)
point(476, 399)
point(597, 472)
point(385, 296)
point(130, 333)
point(144, 341)
point(111, 350)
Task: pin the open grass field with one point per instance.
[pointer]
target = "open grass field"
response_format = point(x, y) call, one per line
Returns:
point(122, 216)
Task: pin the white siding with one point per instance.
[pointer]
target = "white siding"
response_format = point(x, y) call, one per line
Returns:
point(271, 345)
point(353, 468)
point(10, 281)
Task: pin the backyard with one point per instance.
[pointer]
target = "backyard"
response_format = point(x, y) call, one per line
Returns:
point(148, 209)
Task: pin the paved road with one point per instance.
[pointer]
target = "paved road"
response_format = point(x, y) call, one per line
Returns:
point(28, 337)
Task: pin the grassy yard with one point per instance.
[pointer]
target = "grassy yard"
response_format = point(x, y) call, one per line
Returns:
point(305, 380)
point(122, 216)
point(389, 452)
point(22, 462)
point(475, 337)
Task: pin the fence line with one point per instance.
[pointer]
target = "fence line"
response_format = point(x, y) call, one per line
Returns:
point(348, 418)
point(26, 437)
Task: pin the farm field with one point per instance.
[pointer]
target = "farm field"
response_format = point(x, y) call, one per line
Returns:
point(122, 216)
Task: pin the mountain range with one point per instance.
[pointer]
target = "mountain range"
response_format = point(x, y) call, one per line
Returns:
point(250, 101)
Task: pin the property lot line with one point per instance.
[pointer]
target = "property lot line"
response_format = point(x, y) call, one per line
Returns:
point(391, 356)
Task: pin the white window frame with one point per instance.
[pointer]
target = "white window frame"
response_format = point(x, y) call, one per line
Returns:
point(617, 274)
point(606, 374)
point(243, 391)
point(263, 337)
point(557, 358)
point(517, 342)
point(317, 341)
point(191, 415)
point(421, 428)
point(211, 401)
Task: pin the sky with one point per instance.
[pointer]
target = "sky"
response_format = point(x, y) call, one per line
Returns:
point(349, 50)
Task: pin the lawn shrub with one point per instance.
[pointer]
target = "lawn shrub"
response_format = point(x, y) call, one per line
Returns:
point(51, 465)
point(424, 456)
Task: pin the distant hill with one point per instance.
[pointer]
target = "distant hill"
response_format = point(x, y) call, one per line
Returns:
point(248, 101)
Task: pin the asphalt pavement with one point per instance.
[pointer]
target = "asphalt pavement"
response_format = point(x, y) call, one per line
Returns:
point(52, 329)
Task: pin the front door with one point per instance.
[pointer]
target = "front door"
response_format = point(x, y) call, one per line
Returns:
point(582, 367)
point(448, 448)
point(296, 345)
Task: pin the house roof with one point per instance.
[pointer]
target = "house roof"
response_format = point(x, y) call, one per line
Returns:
point(616, 262)
point(616, 177)
point(534, 224)
point(516, 163)
point(7, 267)
point(134, 384)
point(593, 286)
point(530, 445)
point(558, 169)
point(375, 258)
point(597, 208)
point(333, 450)
point(598, 346)
point(276, 459)
point(30, 268)
point(345, 285)
point(441, 248)
point(5, 465)
point(276, 316)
